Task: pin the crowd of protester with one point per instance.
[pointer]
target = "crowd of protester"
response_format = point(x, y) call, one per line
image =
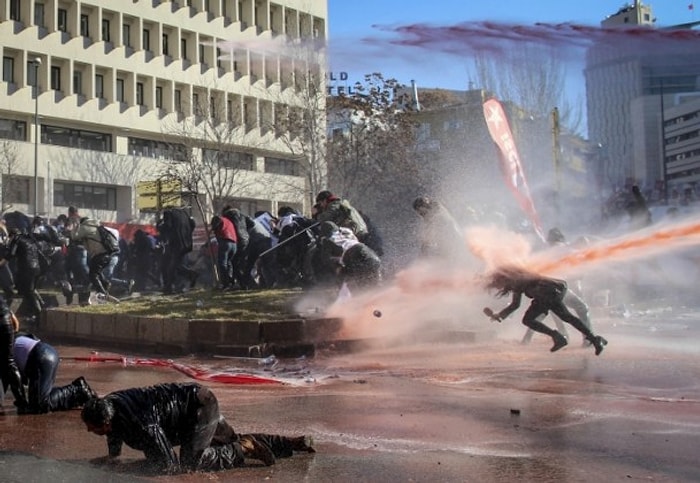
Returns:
point(89, 261)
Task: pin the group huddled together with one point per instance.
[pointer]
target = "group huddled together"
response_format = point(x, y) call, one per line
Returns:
point(90, 260)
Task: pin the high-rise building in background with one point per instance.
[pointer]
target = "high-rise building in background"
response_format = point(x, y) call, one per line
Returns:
point(126, 87)
point(631, 80)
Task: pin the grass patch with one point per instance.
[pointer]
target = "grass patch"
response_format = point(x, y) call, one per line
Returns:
point(207, 304)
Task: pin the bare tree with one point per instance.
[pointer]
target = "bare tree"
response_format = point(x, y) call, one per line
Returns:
point(9, 160)
point(532, 77)
point(206, 157)
point(299, 122)
point(372, 154)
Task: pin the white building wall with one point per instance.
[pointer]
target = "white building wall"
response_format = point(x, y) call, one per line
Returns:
point(192, 65)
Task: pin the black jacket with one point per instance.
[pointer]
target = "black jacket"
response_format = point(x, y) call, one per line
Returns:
point(176, 229)
point(153, 420)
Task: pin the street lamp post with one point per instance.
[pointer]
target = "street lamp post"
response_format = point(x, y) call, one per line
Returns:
point(37, 63)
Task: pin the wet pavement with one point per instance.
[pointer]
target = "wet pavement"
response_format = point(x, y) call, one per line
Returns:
point(488, 411)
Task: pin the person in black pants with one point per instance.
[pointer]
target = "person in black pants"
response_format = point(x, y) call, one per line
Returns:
point(175, 232)
point(546, 294)
point(25, 251)
point(38, 363)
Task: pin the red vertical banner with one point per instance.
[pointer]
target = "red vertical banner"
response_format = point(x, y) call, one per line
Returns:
point(509, 158)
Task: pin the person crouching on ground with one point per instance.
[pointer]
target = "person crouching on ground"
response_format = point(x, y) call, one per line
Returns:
point(155, 419)
point(38, 362)
point(546, 294)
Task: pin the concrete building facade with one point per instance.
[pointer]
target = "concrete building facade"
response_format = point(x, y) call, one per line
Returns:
point(126, 88)
point(681, 134)
point(631, 77)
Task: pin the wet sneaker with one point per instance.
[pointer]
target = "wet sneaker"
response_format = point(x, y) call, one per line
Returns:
point(599, 343)
point(85, 389)
point(303, 443)
point(559, 342)
point(66, 289)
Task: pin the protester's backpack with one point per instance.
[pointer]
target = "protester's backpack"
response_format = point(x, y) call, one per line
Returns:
point(109, 241)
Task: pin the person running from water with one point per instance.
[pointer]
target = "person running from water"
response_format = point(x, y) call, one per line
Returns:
point(546, 294)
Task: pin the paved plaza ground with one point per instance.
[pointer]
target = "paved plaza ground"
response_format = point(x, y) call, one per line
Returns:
point(493, 410)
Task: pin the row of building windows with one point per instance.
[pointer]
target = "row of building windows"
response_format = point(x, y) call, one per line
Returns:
point(684, 155)
point(175, 44)
point(76, 138)
point(682, 137)
point(97, 141)
point(276, 18)
point(683, 174)
point(163, 95)
point(16, 189)
point(681, 119)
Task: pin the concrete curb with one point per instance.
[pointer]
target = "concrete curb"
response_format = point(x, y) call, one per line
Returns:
point(293, 337)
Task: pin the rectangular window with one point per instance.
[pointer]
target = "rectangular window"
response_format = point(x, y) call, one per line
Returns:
point(62, 20)
point(32, 71)
point(105, 31)
point(159, 97)
point(201, 54)
point(39, 14)
point(10, 129)
point(126, 34)
point(8, 69)
point(146, 39)
point(99, 86)
point(96, 197)
point(196, 108)
point(183, 48)
point(282, 166)
point(139, 93)
point(15, 189)
point(77, 82)
point(84, 26)
point(120, 90)
point(76, 138)
point(229, 160)
point(14, 10)
point(178, 100)
point(165, 45)
point(55, 78)
point(156, 149)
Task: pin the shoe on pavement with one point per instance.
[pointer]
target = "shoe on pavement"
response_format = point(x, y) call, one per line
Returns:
point(599, 343)
point(303, 443)
point(559, 342)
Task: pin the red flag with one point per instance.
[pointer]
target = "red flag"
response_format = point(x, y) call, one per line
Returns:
point(510, 160)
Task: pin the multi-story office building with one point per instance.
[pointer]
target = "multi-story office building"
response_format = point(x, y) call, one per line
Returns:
point(681, 134)
point(126, 87)
point(630, 79)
